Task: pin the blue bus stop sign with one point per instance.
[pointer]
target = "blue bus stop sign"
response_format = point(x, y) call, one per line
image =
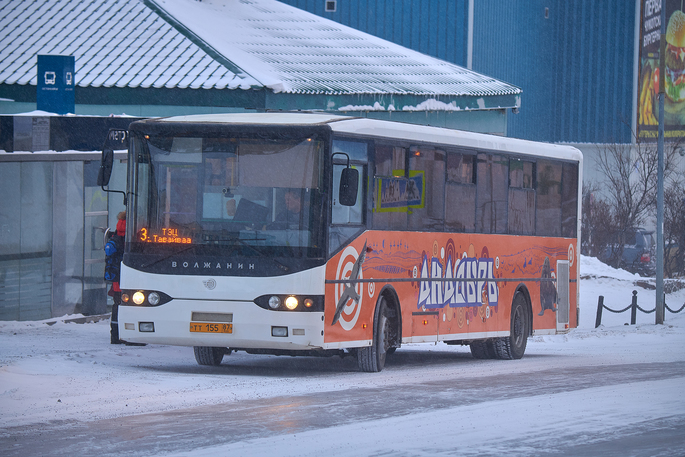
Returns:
point(56, 81)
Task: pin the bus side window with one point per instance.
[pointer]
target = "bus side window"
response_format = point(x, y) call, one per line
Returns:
point(548, 210)
point(356, 151)
point(569, 200)
point(389, 193)
point(347, 221)
point(492, 191)
point(347, 214)
point(460, 193)
point(426, 189)
point(521, 197)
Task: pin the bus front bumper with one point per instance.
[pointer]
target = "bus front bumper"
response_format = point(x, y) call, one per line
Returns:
point(229, 324)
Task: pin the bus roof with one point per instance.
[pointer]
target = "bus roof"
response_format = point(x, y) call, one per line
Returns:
point(374, 128)
point(278, 118)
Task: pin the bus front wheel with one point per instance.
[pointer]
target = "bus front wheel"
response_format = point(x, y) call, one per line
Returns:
point(372, 358)
point(206, 355)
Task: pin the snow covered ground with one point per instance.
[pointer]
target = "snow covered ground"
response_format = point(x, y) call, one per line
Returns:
point(69, 371)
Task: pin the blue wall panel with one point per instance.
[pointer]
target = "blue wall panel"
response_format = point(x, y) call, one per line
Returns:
point(575, 66)
point(594, 80)
point(517, 45)
point(434, 27)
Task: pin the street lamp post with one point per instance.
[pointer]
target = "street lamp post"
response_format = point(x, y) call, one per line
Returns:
point(660, 177)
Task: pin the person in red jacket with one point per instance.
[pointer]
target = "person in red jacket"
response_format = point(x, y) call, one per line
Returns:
point(115, 291)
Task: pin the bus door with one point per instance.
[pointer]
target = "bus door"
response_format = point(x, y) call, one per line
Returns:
point(563, 295)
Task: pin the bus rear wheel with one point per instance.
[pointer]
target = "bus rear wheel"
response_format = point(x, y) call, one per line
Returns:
point(371, 359)
point(206, 355)
point(514, 346)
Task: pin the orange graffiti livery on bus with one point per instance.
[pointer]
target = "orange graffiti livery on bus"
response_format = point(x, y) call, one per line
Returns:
point(456, 284)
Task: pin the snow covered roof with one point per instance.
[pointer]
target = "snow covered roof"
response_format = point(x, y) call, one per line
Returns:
point(225, 44)
point(116, 43)
point(293, 51)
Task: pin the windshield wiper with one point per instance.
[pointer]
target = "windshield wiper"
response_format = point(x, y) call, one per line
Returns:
point(259, 252)
point(155, 262)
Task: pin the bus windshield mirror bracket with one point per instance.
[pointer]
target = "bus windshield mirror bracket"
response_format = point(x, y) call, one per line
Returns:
point(349, 182)
point(118, 139)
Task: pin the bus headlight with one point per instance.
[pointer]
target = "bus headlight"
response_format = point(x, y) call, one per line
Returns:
point(274, 302)
point(144, 297)
point(291, 302)
point(153, 298)
point(138, 298)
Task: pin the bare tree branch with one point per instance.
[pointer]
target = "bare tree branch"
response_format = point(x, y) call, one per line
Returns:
point(630, 179)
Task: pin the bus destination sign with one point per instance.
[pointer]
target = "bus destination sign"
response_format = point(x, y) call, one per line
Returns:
point(166, 236)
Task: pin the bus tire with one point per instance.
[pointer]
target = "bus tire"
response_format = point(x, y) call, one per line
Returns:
point(206, 355)
point(371, 359)
point(514, 346)
point(483, 349)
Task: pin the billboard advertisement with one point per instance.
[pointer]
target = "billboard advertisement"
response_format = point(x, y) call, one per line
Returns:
point(648, 85)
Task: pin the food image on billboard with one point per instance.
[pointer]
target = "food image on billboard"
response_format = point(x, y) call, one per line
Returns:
point(675, 57)
point(649, 88)
point(674, 74)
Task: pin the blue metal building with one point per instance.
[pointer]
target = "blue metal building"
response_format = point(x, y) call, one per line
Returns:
point(574, 60)
point(435, 27)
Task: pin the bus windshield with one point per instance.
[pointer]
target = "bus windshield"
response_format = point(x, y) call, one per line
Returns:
point(226, 196)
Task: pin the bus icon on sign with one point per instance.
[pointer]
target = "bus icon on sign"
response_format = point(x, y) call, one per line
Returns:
point(50, 77)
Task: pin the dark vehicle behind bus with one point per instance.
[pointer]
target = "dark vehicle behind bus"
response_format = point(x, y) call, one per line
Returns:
point(638, 254)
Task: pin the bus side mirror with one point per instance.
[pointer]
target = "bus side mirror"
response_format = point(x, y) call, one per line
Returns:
point(116, 140)
point(349, 182)
point(105, 171)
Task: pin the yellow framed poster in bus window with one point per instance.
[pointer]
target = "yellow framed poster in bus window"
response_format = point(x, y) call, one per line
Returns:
point(399, 194)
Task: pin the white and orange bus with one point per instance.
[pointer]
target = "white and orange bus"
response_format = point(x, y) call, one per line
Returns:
point(314, 234)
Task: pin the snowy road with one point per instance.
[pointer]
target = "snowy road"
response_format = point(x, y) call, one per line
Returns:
point(523, 413)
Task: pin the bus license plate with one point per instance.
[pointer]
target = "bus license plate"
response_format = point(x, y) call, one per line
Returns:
point(205, 327)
